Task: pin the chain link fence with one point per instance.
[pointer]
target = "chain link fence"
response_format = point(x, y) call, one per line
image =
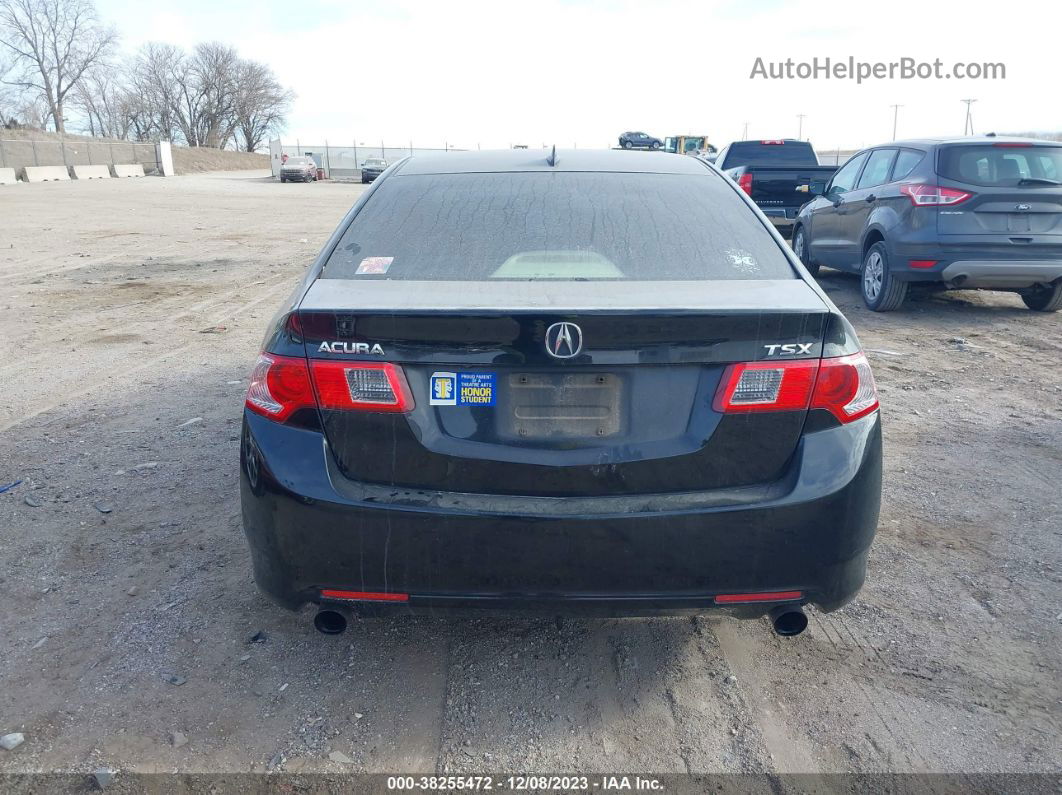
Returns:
point(17, 153)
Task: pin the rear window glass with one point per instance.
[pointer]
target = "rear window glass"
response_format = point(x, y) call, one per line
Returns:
point(561, 225)
point(754, 153)
point(995, 165)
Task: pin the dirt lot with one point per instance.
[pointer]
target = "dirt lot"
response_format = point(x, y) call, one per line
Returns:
point(131, 313)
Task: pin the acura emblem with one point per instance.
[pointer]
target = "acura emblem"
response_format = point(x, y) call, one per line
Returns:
point(564, 340)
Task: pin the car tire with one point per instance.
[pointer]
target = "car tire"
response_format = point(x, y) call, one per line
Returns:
point(626, 144)
point(283, 179)
point(881, 290)
point(656, 144)
point(1044, 299)
point(803, 251)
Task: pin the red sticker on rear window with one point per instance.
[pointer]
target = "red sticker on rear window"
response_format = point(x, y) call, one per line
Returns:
point(374, 265)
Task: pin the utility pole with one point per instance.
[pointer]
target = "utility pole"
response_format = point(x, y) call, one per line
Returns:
point(895, 116)
point(968, 125)
point(745, 132)
point(800, 127)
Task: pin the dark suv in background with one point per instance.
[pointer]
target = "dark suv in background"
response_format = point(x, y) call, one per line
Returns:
point(972, 213)
point(639, 140)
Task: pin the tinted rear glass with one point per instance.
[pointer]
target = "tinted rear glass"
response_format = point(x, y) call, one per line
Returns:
point(561, 225)
point(753, 153)
point(1000, 166)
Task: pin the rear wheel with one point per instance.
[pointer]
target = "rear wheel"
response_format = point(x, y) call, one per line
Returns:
point(800, 248)
point(882, 291)
point(656, 144)
point(1044, 299)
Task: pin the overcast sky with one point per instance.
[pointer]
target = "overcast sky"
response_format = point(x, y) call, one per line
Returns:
point(493, 72)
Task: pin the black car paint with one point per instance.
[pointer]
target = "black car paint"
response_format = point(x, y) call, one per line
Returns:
point(840, 229)
point(778, 188)
point(310, 526)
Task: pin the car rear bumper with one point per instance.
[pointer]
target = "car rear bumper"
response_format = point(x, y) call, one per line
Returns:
point(978, 261)
point(783, 218)
point(311, 529)
point(1001, 274)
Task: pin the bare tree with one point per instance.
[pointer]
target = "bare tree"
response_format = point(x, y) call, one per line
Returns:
point(261, 104)
point(214, 69)
point(156, 78)
point(105, 100)
point(53, 42)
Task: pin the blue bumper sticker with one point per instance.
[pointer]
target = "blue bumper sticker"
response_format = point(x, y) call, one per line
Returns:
point(463, 389)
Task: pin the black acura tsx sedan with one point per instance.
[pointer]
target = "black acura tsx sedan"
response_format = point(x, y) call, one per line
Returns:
point(559, 382)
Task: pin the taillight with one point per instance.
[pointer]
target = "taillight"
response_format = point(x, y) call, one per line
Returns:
point(934, 195)
point(843, 386)
point(365, 386)
point(281, 385)
point(766, 386)
point(745, 183)
point(922, 263)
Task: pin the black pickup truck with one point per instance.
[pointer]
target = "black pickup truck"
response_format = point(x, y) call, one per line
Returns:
point(775, 174)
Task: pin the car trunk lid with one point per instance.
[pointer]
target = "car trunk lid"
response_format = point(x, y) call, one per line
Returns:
point(626, 408)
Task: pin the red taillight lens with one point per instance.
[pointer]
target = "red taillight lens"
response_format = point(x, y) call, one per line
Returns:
point(843, 386)
point(934, 195)
point(745, 183)
point(365, 386)
point(766, 386)
point(280, 386)
point(922, 263)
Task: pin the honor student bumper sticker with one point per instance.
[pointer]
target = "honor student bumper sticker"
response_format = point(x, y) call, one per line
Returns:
point(463, 389)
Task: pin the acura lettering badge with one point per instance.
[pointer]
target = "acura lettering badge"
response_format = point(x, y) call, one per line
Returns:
point(564, 340)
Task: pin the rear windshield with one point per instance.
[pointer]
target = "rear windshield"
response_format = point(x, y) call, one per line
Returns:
point(560, 225)
point(754, 153)
point(1000, 165)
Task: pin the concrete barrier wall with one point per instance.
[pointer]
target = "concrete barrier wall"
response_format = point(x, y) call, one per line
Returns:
point(45, 173)
point(7, 176)
point(18, 153)
point(90, 172)
point(128, 170)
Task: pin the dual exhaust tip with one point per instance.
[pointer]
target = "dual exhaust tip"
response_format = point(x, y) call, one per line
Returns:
point(787, 621)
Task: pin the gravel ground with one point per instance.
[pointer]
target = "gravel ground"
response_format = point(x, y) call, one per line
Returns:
point(132, 311)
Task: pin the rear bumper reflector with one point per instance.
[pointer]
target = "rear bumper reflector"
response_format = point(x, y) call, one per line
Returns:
point(763, 596)
point(364, 596)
